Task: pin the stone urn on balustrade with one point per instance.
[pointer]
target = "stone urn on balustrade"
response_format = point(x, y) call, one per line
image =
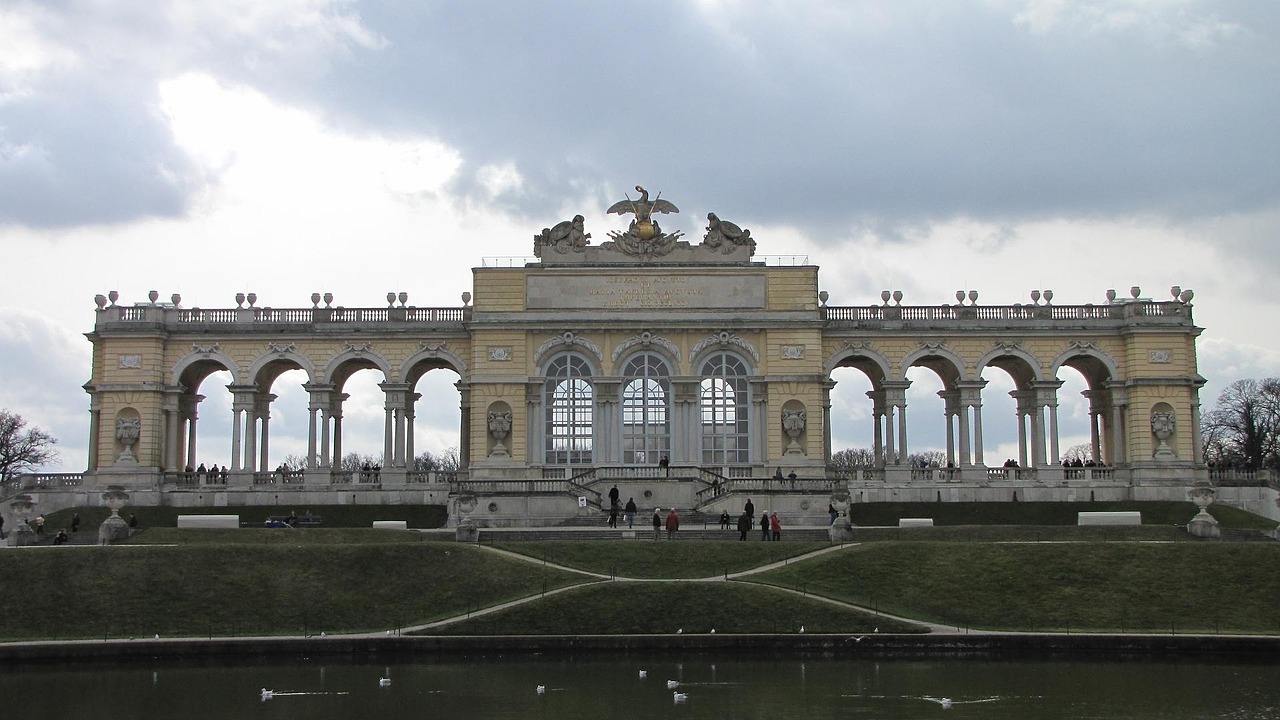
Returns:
point(114, 527)
point(1203, 525)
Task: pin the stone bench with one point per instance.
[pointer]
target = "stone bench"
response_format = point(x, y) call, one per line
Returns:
point(1126, 517)
point(208, 521)
point(915, 522)
point(390, 525)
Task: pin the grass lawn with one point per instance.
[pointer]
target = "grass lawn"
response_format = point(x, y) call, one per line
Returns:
point(645, 608)
point(625, 558)
point(1047, 513)
point(1024, 533)
point(1201, 587)
point(274, 536)
point(253, 588)
point(331, 516)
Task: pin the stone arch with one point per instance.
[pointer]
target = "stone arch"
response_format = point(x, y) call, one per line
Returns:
point(593, 362)
point(277, 361)
point(1021, 365)
point(937, 357)
point(724, 342)
point(434, 356)
point(664, 349)
point(352, 359)
point(876, 366)
point(202, 362)
point(1097, 368)
point(566, 341)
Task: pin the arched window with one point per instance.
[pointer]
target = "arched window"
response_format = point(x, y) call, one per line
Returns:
point(646, 410)
point(724, 408)
point(569, 404)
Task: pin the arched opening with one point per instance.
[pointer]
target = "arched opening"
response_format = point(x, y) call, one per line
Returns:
point(281, 418)
point(927, 445)
point(204, 414)
point(646, 409)
point(852, 439)
point(435, 418)
point(358, 406)
point(1094, 404)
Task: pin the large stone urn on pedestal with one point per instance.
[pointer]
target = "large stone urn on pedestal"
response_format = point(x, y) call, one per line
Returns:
point(114, 527)
point(22, 534)
point(793, 424)
point(1203, 525)
point(463, 506)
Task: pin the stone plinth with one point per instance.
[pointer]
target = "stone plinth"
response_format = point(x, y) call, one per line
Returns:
point(1204, 525)
point(841, 530)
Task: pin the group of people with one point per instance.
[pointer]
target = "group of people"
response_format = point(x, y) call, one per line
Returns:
point(212, 473)
point(770, 525)
point(1078, 463)
point(629, 509)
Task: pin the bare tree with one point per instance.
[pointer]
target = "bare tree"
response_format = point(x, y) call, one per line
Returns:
point(1082, 452)
point(927, 458)
point(294, 461)
point(22, 449)
point(1244, 427)
point(851, 459)
point(446, 461)
point(355, 462)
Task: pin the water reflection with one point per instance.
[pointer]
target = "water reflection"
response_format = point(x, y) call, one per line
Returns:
point(712, 687)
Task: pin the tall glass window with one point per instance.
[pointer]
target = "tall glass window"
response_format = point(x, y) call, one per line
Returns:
point(569, 411)
point(725, 409)
point(646, 410)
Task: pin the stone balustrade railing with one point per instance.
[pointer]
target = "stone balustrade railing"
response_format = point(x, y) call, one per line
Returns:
point(1133, 312)
point(1143, 312)
point(177, 318)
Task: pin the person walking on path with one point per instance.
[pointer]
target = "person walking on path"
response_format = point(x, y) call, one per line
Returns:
point(613, 516)
point(776, 527)
point(631, 512)
point(764, 526)
point(673, 524)
point(657, 523)
point(744, 526)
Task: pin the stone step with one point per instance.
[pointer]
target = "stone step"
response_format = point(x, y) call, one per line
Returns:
point(492, 535)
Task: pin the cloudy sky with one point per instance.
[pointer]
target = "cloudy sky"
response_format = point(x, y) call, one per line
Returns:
point(292, 146)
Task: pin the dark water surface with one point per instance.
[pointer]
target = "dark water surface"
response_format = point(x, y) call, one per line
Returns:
point(483, 689)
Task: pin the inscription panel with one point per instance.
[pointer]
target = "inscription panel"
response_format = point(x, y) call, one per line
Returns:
point(646, 292)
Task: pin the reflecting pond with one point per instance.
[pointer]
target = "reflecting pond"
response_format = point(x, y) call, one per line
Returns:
point(612, 687)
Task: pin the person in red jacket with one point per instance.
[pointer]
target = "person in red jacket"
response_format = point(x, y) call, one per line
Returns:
point(776, 527)
point(673, 524)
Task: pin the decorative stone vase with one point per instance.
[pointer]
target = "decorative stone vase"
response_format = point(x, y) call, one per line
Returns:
point(128, 430)
point(793, 424)
point(1162, 426)
point(1203, 525)
point(499, 428)
point(114, 527)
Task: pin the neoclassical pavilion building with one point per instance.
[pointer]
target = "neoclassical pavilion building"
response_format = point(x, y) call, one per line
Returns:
point(685, 373)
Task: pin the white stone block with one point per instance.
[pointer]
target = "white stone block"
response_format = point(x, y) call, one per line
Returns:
point(208, 521)
point(915, 522)
point(390, 525)
point(1126, 517)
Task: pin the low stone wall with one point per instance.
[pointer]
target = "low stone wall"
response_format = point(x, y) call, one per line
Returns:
point(209, 521)
point(1021, 645)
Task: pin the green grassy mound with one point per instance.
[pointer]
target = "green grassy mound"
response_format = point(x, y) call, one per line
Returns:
point(661, 559)
point(1047, 513)
point(1025, 533)
point(646, 608)
point(331, 516)
point(1146, 587)
point(239, 589)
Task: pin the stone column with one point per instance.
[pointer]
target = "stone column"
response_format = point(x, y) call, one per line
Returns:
point(336, 402)
point(318, 395)
point(1046, 396)
point(263, 411)
point(1025, 400)
point(951, 402)
point(896, 404)
point(533, 424)
point(761, 422)
point(95, 425)
point(827, 387)
point(877, 417)
point(397, 395)
point(606, 425)
point(410, 413)
point(971, 430)
point(1119, 414)
point(173, 429)
point(464, 437)
point(242, 403)
point(1197, 441)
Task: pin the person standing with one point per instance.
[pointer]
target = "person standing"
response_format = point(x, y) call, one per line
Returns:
point(673, 524)
point(764, 526)
point(631, 512)
point(657, 523)
point(75, 522)
point(831, 510)
point(750, 510)
point(39, 522)
point(776, 527)
point(613, 497)
point(744, 526)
